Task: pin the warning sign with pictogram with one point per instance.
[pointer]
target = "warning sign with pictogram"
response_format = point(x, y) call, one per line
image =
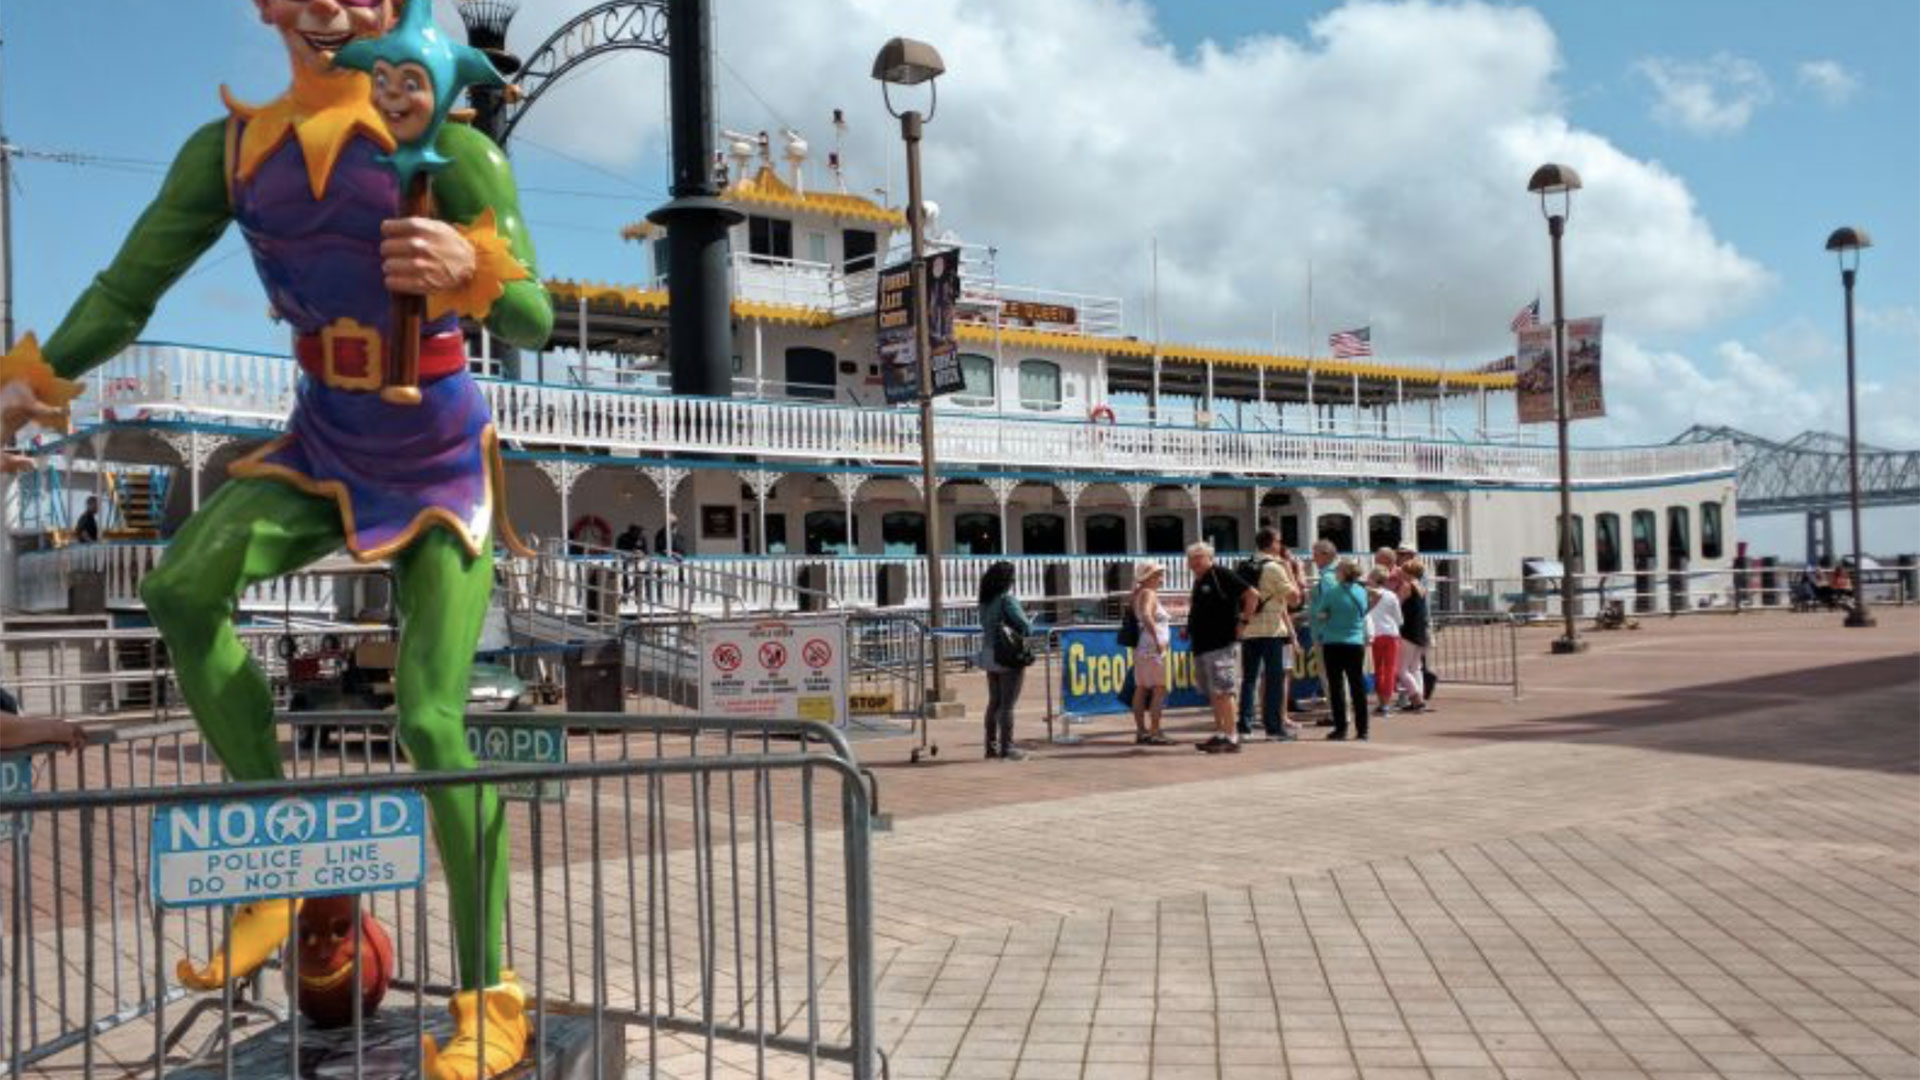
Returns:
point(799, 669)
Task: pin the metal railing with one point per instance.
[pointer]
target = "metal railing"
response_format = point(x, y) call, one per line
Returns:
point(255, 391)
point(1475, 649)
point(681, 898)
point(1671, 592)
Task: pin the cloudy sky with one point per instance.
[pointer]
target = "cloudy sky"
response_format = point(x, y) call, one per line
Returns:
point(1384, 145)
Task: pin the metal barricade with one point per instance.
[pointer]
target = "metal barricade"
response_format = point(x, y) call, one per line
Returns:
point(1472, 648)
point(668, 901)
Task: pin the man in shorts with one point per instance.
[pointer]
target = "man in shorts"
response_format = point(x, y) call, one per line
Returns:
point(1217, 617)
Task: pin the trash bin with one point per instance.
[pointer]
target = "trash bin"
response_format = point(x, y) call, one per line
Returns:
point(593, 679)
point(812, 580)
point(890, 585)
point(87, 593)
point(1769, 581)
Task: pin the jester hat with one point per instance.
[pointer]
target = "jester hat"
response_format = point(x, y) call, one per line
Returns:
point(451, 65)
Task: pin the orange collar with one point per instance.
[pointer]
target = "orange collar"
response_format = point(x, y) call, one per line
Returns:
point(322, 111)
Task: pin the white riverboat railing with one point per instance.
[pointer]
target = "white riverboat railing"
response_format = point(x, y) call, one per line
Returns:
point(46, 578)
point(172, 382)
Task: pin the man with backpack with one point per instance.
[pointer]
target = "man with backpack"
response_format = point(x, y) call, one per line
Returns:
point(1269, 635)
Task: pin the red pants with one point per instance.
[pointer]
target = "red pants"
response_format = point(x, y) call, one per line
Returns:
point(1386, 666)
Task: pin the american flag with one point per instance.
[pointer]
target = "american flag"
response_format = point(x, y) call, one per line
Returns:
point(1348, 344)
point(1528, 315)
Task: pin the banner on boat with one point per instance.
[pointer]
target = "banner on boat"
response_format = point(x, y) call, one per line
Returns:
point(894, 315)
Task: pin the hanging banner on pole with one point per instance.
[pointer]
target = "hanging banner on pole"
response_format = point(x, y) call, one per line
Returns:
point(1585, 401)
point(894, 314)
point(1533, 379)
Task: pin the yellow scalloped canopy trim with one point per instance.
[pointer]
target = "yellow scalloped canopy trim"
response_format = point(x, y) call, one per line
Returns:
point(974, 333)
point(324, 112)
point(25, 363)
point(767, 189)
point(493, 266)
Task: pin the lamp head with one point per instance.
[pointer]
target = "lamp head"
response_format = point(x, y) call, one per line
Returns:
point(1552, 179)
point(906, 62)
point(1846, 243)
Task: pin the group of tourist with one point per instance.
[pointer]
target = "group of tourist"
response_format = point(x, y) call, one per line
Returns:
point(1242, 625)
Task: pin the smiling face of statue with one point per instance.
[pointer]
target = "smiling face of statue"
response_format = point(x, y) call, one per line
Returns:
point(404, 95)
point(314, 30)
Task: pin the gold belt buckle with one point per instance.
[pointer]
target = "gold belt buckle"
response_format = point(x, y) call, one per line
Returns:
point(351, 356)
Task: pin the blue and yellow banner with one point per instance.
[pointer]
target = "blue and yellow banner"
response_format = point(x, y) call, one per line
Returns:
point(1096, 673)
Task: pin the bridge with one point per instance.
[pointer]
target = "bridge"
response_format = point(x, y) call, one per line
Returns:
point(1808, 473)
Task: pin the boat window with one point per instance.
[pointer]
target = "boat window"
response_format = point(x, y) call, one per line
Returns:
point(1711, 545)
point(1577, 555)
point(1222, 531)
point(903, 532)
point(1043, 534)
point(1430, 533)
point(1337, 529)
point(857, 250)
point(1290, 531)
point(769, 239)
point(977, 370)
point(1679, 538)
point(827, 533)
point(1040, 385)
point(1643, 540)
point(1166, 534)
point(976, 534)
point(1606, 543)
point(812, 373)
point(816, 247)
point(1383, 531)
point(1106, 534)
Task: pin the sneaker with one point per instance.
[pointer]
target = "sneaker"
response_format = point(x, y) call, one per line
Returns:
point(1363, 737)
point(1253, 736)
point(1282, 736)
point(1208, 746)
point(1157, 739)
point(1229, 748)
point(1383, 710)
point(1337, 736)
point(1013, 753)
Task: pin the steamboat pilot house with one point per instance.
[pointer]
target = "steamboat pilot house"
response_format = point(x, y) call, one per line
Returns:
point(1073, 449)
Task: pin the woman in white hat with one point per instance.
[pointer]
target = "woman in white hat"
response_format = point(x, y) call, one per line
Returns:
point(1150, 655)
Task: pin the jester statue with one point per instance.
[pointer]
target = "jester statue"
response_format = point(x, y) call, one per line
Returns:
point(318, 180)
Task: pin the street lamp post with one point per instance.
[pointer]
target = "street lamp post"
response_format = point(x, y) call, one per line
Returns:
point(1846, 244)
point(905, 62)
point(1561, 180)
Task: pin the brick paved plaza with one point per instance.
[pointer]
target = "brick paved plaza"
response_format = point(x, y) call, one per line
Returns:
point(1694, 851)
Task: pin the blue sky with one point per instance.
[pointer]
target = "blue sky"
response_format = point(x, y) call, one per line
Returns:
point(1720, 168)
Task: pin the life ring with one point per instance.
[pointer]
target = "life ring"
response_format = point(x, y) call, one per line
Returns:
point(1101, 414)
point(591, 529)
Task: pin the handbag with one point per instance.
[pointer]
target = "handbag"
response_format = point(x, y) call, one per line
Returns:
point(1129, 635)
point(1010, 648)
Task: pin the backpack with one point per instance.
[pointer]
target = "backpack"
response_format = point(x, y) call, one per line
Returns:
point(1248, 571)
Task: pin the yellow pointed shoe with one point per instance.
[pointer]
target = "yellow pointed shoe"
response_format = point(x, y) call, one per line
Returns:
point(507, 1032)
point(259, 929)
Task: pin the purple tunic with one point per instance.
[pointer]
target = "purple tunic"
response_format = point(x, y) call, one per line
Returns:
point(392, 469)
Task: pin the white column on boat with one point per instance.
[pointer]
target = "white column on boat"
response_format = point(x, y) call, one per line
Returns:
point(1210, 408)
point(1195, 493)
point(667, 478)
point(1399, 405)
point(761, 481)
point(1483, 412)
point(1073, 489)
point(580, 320)
point(1356, 402)
point(759, 363)
point(849, 485)
point(1258, 493)
point(563, 474)
point(1002, 488)
point(1137, 493)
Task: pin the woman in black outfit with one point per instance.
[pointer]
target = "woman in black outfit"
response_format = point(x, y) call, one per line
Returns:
point(999, 606)
point(1416, 635)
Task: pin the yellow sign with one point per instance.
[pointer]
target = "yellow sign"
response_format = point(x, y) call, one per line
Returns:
point(815, 708)
point(869, 704)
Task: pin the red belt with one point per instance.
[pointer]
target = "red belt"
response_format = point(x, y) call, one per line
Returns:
point(356, 360)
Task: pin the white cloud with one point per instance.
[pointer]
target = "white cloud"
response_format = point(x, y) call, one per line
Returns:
point(1715, 96)
point(1390, 146)
point(1654, 394)
point(1829, 80)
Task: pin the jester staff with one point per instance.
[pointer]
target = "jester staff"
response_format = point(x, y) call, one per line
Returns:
point(311, 179)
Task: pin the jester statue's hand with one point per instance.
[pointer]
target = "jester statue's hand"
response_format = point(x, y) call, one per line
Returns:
point(30, 393)
point(423, 256)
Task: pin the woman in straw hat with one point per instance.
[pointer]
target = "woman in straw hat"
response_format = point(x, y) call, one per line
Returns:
point(1150, 655)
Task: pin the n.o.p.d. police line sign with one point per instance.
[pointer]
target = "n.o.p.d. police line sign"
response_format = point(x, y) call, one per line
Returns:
point(257, 849)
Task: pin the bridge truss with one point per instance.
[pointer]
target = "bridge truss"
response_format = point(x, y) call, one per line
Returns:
point(1808, 473)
